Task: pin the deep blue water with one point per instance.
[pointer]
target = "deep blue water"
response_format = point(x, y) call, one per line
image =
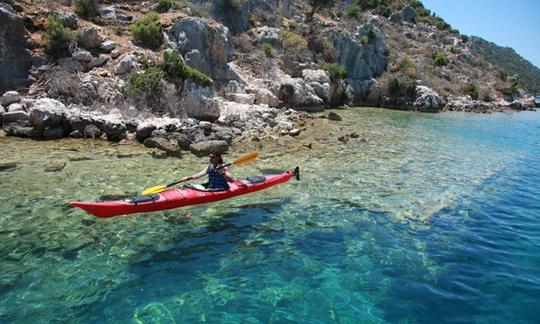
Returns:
point(429, 219)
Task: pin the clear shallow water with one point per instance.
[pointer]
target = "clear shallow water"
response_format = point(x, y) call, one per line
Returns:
point(422, 218)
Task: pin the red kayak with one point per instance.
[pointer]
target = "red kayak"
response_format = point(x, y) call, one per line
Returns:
point(179, 197)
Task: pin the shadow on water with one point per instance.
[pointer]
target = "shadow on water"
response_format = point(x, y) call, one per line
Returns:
point(192, 258)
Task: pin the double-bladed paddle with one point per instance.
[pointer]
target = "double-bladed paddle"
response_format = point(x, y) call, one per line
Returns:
point(246, 158)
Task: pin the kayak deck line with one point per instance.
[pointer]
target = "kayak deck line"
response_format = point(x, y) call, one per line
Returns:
point(180, 197)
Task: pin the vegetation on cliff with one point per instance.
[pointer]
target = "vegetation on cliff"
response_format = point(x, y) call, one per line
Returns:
point(510, 63)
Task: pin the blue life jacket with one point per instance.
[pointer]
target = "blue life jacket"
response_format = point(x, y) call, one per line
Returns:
point(215, 179)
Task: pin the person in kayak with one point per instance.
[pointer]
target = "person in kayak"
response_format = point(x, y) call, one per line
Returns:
point(218, 176)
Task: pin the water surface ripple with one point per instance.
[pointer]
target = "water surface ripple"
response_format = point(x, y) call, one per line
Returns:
point(421, 218)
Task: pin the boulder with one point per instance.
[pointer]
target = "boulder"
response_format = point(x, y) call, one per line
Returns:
point(51, 133)
point(408, 14)
point(70, 65)
point(268, 35)
point(206, 147)
point(92, 131)
point(15, 116)
point(108, 12)
point(68, 19)
point(182, 140)
point(10, 97)
point(47, 112)
point(319, 76)
point(15, 58)
point(108, 46)
point(98, 61)
point(15, 107)
point(7, 165)
point(55, 166)
point(266, 97)
point(89, 38)
point(125, 65)
point(206, 46)
point(334, 116)
point(114, 127)
point(427, 100)
point(300, 95)
point(144, 130)
point(82, 56)
point(162, 144)
point(322, 90)
point(197, 101)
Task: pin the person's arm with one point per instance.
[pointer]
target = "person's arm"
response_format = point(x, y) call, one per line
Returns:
point(227, 174)
point(195, 176)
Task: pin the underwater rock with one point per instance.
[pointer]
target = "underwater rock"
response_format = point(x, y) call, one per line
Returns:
point(7, 165)
point(55, 166)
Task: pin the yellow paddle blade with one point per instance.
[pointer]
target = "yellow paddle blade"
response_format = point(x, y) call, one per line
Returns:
point(245, 158)
point(154, 189)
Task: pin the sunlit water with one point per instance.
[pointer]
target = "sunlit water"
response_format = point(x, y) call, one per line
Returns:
point(420, 219)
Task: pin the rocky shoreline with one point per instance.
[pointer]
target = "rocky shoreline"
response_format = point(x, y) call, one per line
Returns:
point(253, 94)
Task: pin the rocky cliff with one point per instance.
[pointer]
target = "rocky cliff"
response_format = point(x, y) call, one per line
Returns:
point(172, 73)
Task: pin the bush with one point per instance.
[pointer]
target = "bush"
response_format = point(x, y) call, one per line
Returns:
point(176, 69)
point(146, 86)
point(473, 90)
point(147, 31)
point(455, 50)
point(293, 42)
point(512, 90)
point(371, 35)
point(323, 48)
point(59, 38)
point(87, 9)
point(335, 70)
point(166, 5)
point(465, 38)
point(401, 86)
point(268, 50)
point(440, 59)
point(352, 11)
point(503, 75)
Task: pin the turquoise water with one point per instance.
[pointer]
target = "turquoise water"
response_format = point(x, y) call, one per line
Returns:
point(420, 219)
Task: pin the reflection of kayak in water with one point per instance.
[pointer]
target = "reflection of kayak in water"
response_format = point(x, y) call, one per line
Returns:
point(179, 197)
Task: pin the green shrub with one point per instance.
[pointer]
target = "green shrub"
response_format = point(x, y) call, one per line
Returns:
point(352, 11)
point(118, 30)
point(268, 50)
point(58, 38)
point(512, 90)
point(401, 86)
point(166, 5)
point(147, 31)
point(293, 42)
point(87, 9)
point(371, 35)
point(503, 75)
point(147, 85)
point(176, 69)
point(455, 50)
point(465, 38)
point(473, 90)
point(335, 70)
point(440, 59)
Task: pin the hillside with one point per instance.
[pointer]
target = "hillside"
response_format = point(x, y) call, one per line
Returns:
point(172, 73)
point(510, 62)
